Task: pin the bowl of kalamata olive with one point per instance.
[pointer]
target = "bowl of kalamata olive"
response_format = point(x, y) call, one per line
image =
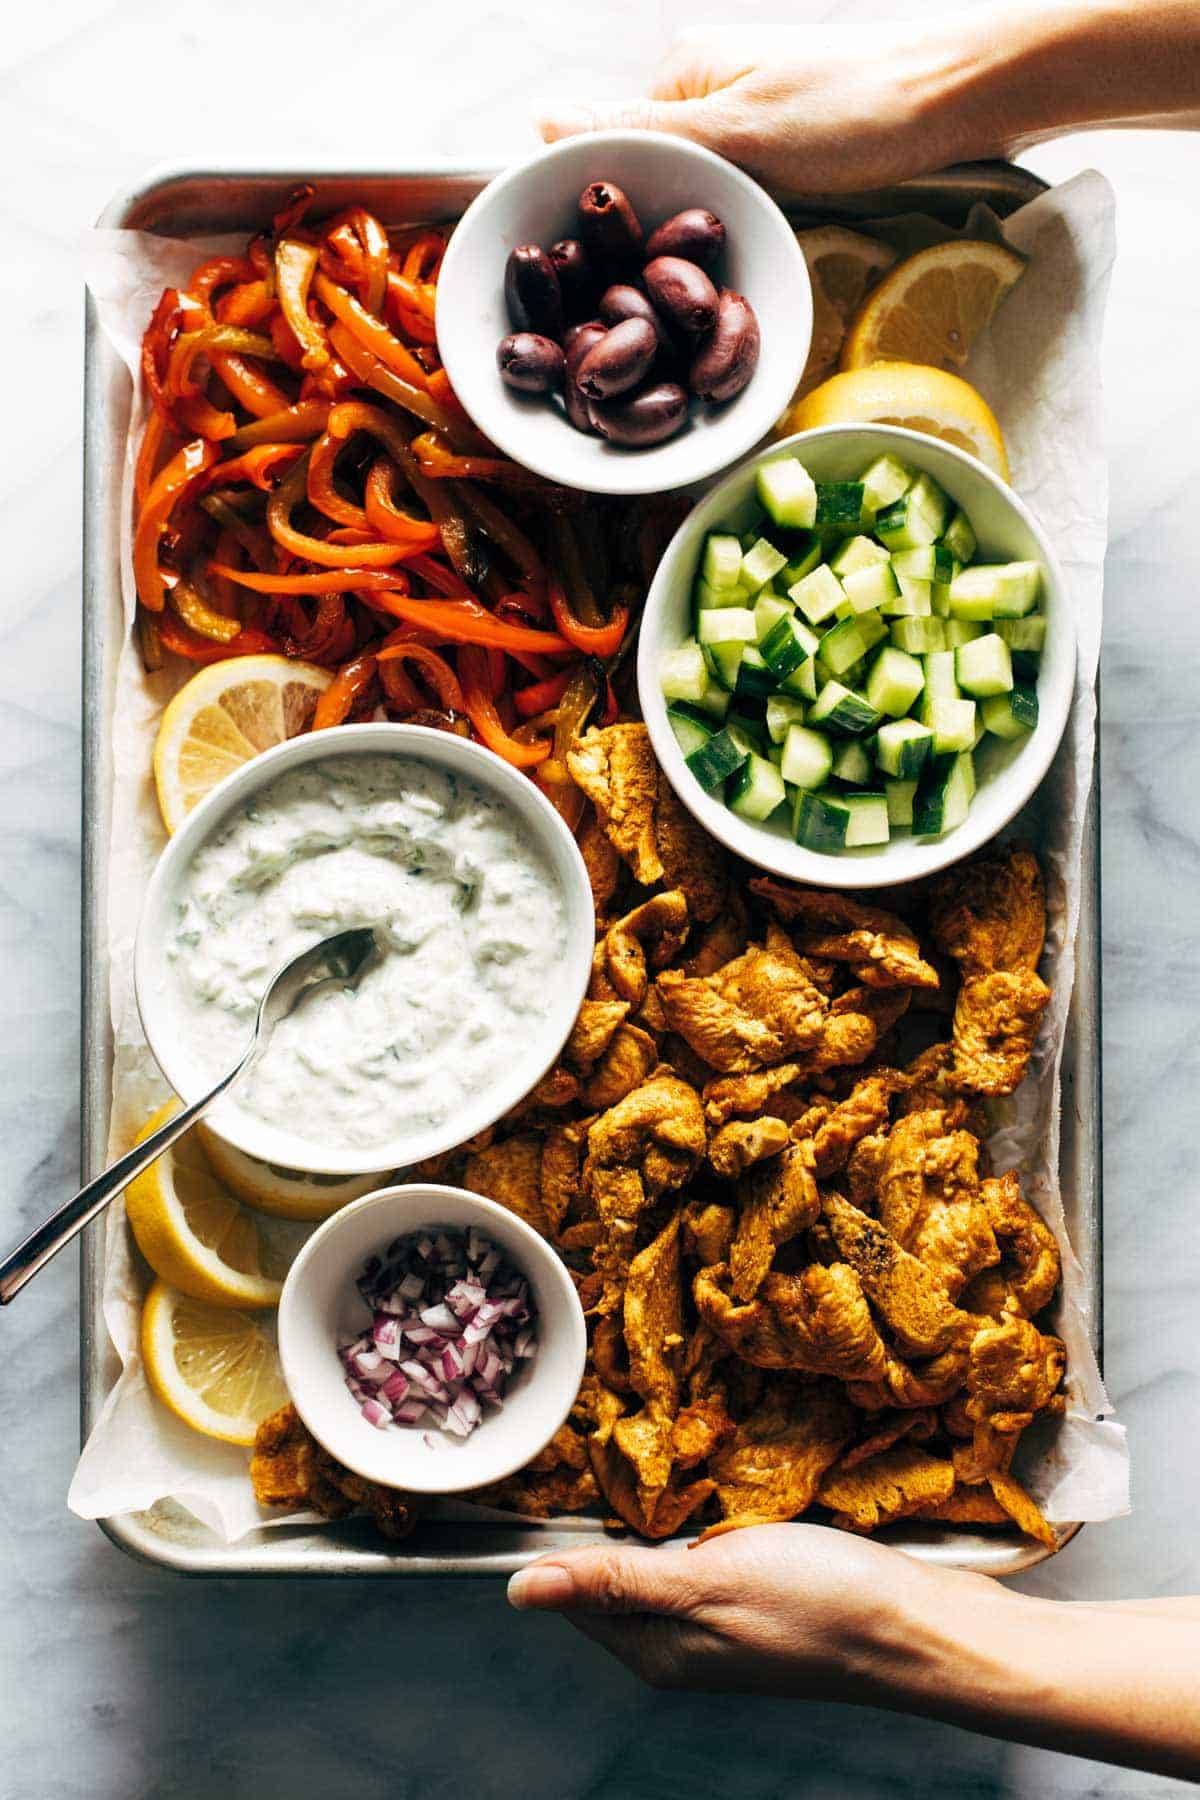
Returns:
point(624, 313)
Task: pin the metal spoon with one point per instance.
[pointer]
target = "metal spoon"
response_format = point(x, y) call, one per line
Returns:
point(341, 958)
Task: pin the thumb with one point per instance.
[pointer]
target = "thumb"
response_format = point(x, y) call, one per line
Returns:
point(604, 1578)
point(686, 118)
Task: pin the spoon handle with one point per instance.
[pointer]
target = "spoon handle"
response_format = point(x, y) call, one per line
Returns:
point(49, 1238)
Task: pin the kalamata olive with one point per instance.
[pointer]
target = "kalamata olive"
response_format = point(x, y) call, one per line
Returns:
point(578, 341)
point(576, 277)
point(624, 301)
point(532, 293)
point(607, 221)
point(695, 234)
point(529, 362)
point(725, 363)
point(620, 359)
point(643, 418)
point(682, 293)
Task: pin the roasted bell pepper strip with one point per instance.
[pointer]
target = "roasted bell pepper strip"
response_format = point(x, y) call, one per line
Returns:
point(480, 708)
point(504, 534)
point(389, 520)
point(259, 466)
point(251, 303)
point(372, 373)
point(369, 331)
point(218, 272)
point(322, 492)
point(362, 229)
point(434, 668)
point(176, 636)
point(464, 622)
point(298, 543)
point(539, 696)
point(333, 708)
point(291, 425)
point(594, 640)
point(327, 581)
point(295, 267)
point(190, 605)
point(171, 486)
point(209, 340)
point(155, 434)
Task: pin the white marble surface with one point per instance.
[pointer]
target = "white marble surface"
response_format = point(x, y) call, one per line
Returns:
point(117, 1680)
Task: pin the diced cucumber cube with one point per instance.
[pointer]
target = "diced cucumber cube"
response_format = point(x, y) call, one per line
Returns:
point(756, 789)
point(871, 587)
point(941, 679)
point(1019, 590)
point(868, 820)
point(722, 561)
point(788, 492)
point(839, 503)
point(932, 499)
point(843, 710)
point(932, 563)
point(818, 595)
point(918, 636)
point(851, 764)
point(807, 757)
point(961, 631)
point(804, 553)
point(959, 538)
point(902, 747)
point(768, 610)
point(749, 731)
point(916, 519)
point(873, 629)
point(685, 673)
point(754, 679)
point(995, 590)
point(820, 821)
point(899, 796)
point(885, 481)
point(857, 553)
point(760, 564)
point(692, 729)
point(1027, 634)
point(843, 646)
point(713, 763)
point(707, 598)
point(788, 645)
point(726, 625)
point(1011, 715)
point(894, 681)
point(724, 661)
point(944, 794)
point(952, 723)
point(802, 682)
point(913, 601)
point(782, 713)
point(984, 667)
point(939, 599)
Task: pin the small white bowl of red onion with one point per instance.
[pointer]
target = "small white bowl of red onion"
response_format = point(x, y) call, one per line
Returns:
point(430, 1339)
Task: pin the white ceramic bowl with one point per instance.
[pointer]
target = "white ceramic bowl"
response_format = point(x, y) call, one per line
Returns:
point(535, 202)
point(532, 1055)
point(1007, 773)
point(320, 1307)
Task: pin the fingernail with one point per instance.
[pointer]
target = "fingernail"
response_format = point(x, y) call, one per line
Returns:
point(543, 1585)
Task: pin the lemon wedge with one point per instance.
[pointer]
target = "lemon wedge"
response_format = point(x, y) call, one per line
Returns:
point(284, 1193)
point(194, 1234)
point(933, 306)
point(843, 266)
point(226, 714)
point(920, 398)
point(217, 1370)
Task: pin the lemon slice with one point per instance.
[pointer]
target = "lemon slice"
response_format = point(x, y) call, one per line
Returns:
point(285, 1193)
point(933, 306)
point(226, 714)
point(195, 1235)
point(923, 399)
point(842, 267)
point(215, 1369)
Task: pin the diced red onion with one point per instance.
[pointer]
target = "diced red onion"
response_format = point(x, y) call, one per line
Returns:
point(450, 1319)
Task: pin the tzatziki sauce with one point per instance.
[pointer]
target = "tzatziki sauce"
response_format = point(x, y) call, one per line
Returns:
point(467, 903)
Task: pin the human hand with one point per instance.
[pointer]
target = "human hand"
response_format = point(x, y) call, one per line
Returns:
point(785, 1609)
point(814, 109)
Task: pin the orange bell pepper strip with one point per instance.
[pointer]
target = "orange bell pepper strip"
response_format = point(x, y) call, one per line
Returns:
point(368, 331)
point(480, 707)
point(540, 696)
point(434, 668)
point(321, 490)
point(389, 520)
point(154, 437)
point(463, 622)
point(253, 390)
point(326, 581)
point(593, 640)
point(350, 682)
point(210, 338)
point(295, 267)
point(250, 303)
point(259, 466)
point(218, 272)
point(175, 636)
point(173, 484)
point(290, 425)
point(362, 229)
point(318, 550)
point(371, 372)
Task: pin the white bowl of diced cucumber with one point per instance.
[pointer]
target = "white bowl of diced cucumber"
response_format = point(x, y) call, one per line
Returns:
point(857, 657)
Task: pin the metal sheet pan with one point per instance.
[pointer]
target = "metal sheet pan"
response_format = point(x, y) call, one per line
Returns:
point(194, 203)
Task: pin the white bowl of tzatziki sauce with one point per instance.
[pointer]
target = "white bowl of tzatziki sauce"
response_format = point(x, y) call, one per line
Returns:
point(482, 900)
